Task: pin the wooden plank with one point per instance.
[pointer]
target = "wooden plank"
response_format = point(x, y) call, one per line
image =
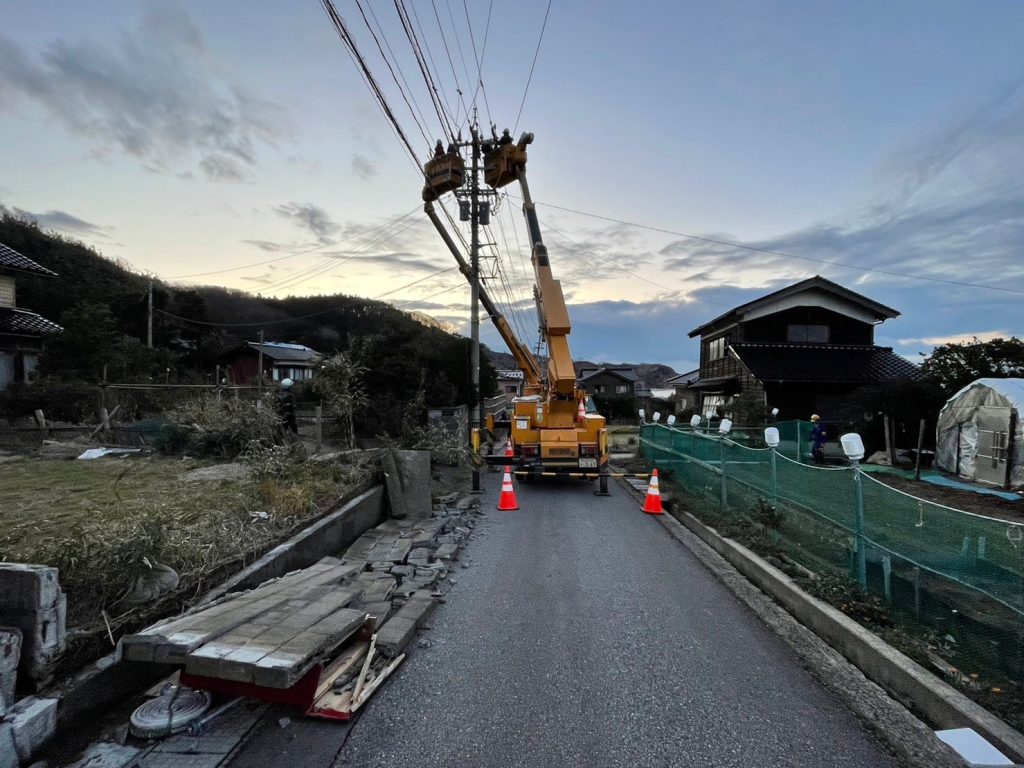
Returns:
point(342, 665)
point(366, 666)
point(376, 683)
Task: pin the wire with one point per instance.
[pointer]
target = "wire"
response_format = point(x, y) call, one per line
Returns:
point(436, 72)
point(421, 61)
point(529, 79)
point(479, 58)
point(448, 53)
point(784, 254)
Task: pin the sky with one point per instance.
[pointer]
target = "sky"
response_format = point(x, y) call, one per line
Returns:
point(689, 156)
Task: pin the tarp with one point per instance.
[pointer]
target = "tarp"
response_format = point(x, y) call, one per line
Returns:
point(958, 420)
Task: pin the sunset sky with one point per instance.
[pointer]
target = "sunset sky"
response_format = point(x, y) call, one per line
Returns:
point(195, 139)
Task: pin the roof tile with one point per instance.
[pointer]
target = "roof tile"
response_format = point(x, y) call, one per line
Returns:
point(11, 259)
point(848, 364)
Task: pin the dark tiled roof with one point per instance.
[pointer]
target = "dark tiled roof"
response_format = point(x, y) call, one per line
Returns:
point(11, 259)
point(626, 374)
point(21, 321)
point(880, 311)
point(684, 378)
point(824, 363)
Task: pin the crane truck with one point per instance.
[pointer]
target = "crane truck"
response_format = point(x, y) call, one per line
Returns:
point(553, 428)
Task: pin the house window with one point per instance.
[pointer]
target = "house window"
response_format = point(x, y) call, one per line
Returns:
point(811, 333)
point(713, 404)
point(621, 389)
point(598, 389)
point(716, 348)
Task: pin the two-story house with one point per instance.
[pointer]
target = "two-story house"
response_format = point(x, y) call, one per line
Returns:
point(610, 381)
point(801, 349)
point(21, 331)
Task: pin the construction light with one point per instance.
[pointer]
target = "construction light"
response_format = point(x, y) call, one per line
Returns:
point(642, 414)
point(670, 420)
point(853, 446)
point(775, 411)
point(725, 426)
point(771, 437)
point(695, 420)
point(656, 417)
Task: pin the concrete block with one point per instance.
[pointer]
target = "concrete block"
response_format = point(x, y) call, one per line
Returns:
point(395, 636)
point(419, 556)
point(447, 551)
point(414, 471)
point(43, 635)
point(8, 752)
point(403, 571)
point(417, 608)
point(34, 722)
point(27, 588)
point(378, 589)
point(10, 655)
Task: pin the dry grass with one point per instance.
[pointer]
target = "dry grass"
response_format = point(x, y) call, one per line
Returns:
point(103, 522)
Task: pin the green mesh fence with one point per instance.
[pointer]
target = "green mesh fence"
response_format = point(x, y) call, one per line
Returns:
point(953, 571)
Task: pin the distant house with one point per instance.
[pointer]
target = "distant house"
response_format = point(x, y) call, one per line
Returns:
point(22, 332)
point(685, 397)
point(620, 381)
point(280, 361)
point(802, 349)
point(510, 382)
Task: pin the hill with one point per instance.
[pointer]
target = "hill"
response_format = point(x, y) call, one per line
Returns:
point(102, 303)
point(652, 374)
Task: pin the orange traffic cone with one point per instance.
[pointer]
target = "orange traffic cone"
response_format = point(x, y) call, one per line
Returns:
point(508, 448)
point(581, 412)
point(507, 500)
point(652, 504)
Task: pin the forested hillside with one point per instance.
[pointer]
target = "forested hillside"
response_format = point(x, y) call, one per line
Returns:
point(102, 305)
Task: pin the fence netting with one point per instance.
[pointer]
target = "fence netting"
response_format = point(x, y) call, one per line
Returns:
point(957, 575)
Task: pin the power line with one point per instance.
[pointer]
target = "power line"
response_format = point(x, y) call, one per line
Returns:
point(529, 79)
point(421, 61)
point(784, 254)
point(451, 63)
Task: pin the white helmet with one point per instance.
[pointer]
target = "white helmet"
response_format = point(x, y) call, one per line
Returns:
point(286, 383)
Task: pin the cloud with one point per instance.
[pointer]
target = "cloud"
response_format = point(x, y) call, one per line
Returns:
point(157, 95)
point(311, 218)
point(958, 338)
point(406, 260)
point(363, 167)
point(66, 222)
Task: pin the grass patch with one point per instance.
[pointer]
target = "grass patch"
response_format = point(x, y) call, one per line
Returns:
point(104, 523)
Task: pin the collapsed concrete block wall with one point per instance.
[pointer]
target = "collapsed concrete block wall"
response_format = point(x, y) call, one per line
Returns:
point(31, 601)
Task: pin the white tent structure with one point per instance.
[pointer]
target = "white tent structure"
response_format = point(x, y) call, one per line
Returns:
point(979, 435)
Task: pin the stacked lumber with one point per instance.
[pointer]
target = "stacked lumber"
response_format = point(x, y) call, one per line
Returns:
point(270, 636)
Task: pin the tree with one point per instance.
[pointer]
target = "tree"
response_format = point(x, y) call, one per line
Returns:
point(954, 366)
point(340, 384)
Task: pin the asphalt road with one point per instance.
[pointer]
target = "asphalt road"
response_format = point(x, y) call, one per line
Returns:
point(582, 634)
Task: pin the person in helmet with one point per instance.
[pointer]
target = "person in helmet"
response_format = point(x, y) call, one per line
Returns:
point(285, 404)
point(818, 439)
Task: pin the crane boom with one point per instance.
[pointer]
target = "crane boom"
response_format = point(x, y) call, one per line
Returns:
point(551, 309)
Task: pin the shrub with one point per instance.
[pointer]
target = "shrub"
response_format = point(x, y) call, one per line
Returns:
point(76, 402)
point(208, 426)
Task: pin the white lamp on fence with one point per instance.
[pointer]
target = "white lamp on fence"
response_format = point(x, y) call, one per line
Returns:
point(853, 446)
point(771, 437)
point(725, 426)
point(656, 417)
point(695, 420)
point(642, 414)
point(671, 420)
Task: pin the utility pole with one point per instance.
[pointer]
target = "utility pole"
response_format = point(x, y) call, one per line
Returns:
point(476, 417)
point(149, 322)
point(259, 373)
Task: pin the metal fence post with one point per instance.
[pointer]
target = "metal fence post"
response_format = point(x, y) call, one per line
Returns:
point(725, 480)
point(775, 479)
point(862, 563)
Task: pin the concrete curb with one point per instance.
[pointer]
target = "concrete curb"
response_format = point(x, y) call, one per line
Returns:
point(112, 678)
point(907, 681)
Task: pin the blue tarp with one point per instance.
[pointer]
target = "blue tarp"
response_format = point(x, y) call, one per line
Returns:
point(949, 482)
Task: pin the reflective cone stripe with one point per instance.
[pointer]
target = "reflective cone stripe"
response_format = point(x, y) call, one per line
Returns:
point(507, 500)
point(508, 448)
point(652, 504)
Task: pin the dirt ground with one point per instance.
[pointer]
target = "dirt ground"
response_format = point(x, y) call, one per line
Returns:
point(978, 503)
